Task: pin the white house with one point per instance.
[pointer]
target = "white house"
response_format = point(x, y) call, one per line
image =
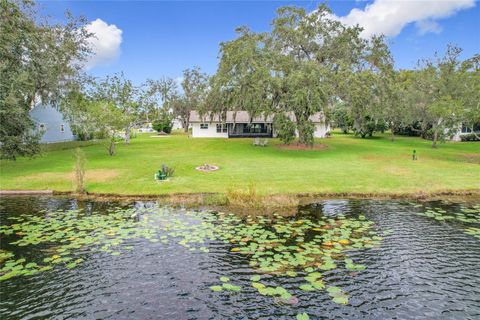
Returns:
point(240, 124)
point(145, 127)
point(463, 130)
point(176, 124)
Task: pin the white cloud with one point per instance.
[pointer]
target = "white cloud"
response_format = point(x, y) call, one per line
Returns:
point(105, 43)
point(426, 26)
point(390, 17)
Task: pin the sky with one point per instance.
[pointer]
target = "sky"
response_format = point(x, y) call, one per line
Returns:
point(152, 39)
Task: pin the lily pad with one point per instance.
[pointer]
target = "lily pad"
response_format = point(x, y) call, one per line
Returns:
point(303, 316)
point(216, 288)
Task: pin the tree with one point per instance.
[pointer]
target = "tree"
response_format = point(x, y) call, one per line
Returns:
point(294, 69)
point(341, 117)
point(75, 106)
point(162, 91)
point(109, 120)
point(366, 86)
point(195, 89)
point(121, 93)
point(301, 48)
point(470, 69)
point(38, 63)
point(148, 107)
point(243, 79)
point(440, 88)
point(398, 111)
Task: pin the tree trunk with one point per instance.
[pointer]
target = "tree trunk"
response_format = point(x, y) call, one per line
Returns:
point(392, 131)
point(435, 138)
point(301, 135)
point(127, 135)
point(111, 148)
point(424, 129)
point(185, 124)
point(435, 132)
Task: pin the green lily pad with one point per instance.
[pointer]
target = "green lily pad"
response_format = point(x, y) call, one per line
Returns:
point(340, 299)
point(255, 278)
point(333, 289)
point(231, 287)
point(216, 288)
point(303, 316)
point(307, 287)
point(258, 285)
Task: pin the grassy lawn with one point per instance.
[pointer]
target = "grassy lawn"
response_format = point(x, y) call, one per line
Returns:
point(348, 164)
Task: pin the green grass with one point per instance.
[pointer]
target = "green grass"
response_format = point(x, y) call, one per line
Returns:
point(349, 164)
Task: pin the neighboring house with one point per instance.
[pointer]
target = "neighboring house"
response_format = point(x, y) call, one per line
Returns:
point(176, 124)
point(146, 127)
point(239, 124)
point(463, 130)
point(51, 123)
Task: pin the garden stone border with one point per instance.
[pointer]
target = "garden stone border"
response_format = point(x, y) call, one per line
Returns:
point(210, 169)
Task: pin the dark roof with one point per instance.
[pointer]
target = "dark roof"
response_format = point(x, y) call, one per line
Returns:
point(244, 117)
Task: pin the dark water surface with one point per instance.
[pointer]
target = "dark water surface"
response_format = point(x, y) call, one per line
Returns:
point(424, 268)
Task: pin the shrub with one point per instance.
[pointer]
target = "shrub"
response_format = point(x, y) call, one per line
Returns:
point(164, 123)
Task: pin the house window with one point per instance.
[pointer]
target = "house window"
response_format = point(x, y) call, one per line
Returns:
point(62, 128)
point(42, 127)
point(203, 125)
point(221, 127)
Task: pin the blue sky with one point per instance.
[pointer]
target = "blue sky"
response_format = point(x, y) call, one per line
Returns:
point(151, 39)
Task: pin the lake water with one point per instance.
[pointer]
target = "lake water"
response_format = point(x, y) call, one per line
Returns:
point(352, 259)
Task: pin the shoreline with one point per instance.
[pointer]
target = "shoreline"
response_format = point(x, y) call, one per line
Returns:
point(214, 197)
point(248, 204)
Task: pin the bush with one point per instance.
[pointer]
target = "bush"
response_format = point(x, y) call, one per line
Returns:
point(84, 136)
point(164, 123)
point(469, 137)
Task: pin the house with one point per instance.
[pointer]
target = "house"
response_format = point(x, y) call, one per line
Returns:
point(145, 127)
point(240, 124)
point(177, 124)
point(51, 123)
point(465, 131)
